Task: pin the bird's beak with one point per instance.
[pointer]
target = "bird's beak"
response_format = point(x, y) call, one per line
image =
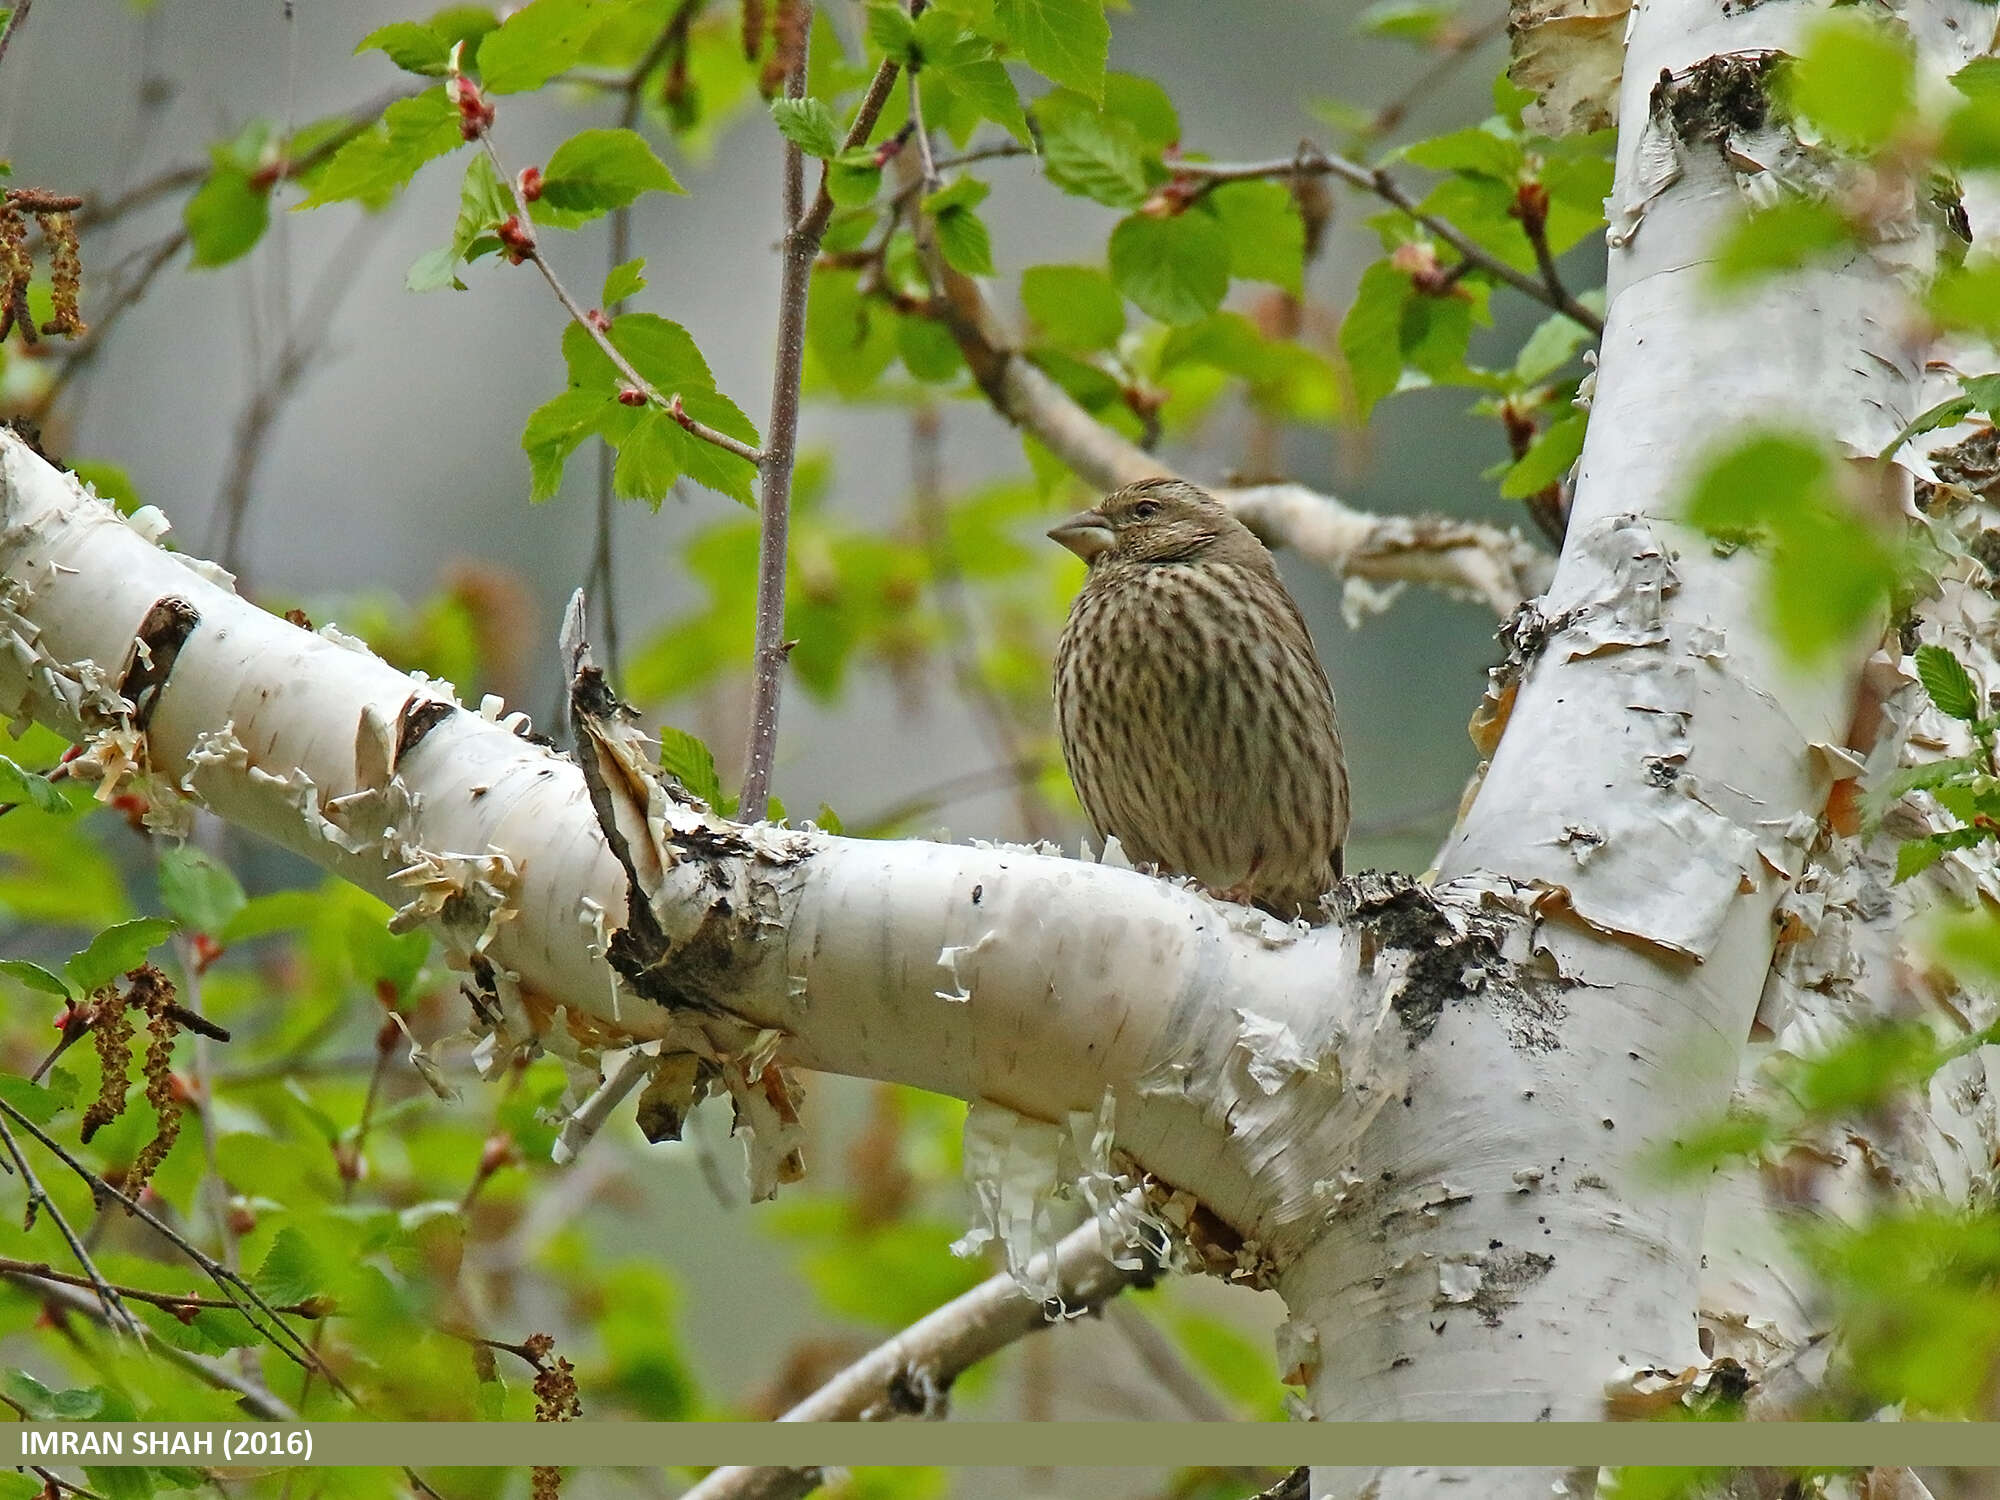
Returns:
point(1086, 534)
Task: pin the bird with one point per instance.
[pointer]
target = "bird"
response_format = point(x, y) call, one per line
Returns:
point(1194, 715)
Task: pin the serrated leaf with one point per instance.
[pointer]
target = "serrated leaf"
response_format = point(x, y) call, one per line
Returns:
point(115, 950)
point(688, 760)
point(483, 202)
point(1474, 150)
point(34, 976)
point(808, 124)
point(596, 171)
point(538, 41)
point(19, 785)
point(963, 238)
point(622, 283)
point(411, 46)
point(198, 889)
point(1174, 269)
point(290, 1271)
point(1065, 41)
point(1095, 157)
point(1950, 686)
point(375, 164)
point(852, 186)
point(434, 271)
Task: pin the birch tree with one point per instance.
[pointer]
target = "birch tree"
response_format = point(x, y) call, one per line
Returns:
point(1738, 752)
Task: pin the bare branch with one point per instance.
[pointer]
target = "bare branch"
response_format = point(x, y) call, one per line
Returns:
point(774, 498)
point(116, 1313)
point(1467, 559)
point(256, 1399)
point(20, 14)
point(911, 1374)
point(1310, 161)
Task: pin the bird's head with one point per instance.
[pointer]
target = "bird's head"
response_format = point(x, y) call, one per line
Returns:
point(1154, 521)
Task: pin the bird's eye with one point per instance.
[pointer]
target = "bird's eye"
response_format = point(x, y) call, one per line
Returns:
point(1146, 508)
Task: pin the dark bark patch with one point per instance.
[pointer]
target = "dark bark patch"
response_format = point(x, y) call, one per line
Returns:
point(163, 632)
point(1716, 98)
point(1504, 1275)
point(417, 718)
point(1393, 914)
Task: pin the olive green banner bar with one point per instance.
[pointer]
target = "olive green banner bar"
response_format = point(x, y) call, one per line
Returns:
point(1001, 1444)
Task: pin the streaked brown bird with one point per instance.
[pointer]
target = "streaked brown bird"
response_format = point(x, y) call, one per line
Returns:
point(1195, 717)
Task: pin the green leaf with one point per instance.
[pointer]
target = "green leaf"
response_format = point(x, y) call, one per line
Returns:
point(538, 41)
point(1948, 413)
point(596, 171)
point(808, 124)
point(371, 167)
point(433, 271)
point(483, 202)
point(851, 185)
point(1418, 21)
point(982, 85)
point(622, 283)
point(1073, 307)
point(29, 788)
point(198, 890)
point(1968, 298)
point(1065, 41)
point(226, 216)
point(928, 350)
point(1174, 269)
point(1789, 234)
point(1551, 346)
point(1548, 458)
point(688, 760)
point(850, 340)
point(554, 431)
point(1095, 156)
point(1371, 334)
point(961, 234)
point(1267, 238)
point(1828, 571)
point(1855, 80)
point(1476, 151)
point(890, 28)
point(1145, 106)
point(35, 977)
point(39, 1104)
point(115, 950)
point(1950, 686)
point(291, 1270)
point(411, 46)
point(45, 1405)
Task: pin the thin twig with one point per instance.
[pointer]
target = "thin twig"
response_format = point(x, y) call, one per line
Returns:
point(41, 1270)
point(20, 14)
point(256, 1399)
point(911, 1373)
point(970, 784)
point(708, 434)
point(814, 224)
point(60, 1486)
point(273, 390)
point(602, 583)
point(1452, 52)
point(1163, 1361)
point(962, 628)
point(774, 496)
point(1311, 161)
point(128, 293)
point(116, 1313)
point(290, 1344)
point(582, 319)
point(190, 174)
point(929, 162)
